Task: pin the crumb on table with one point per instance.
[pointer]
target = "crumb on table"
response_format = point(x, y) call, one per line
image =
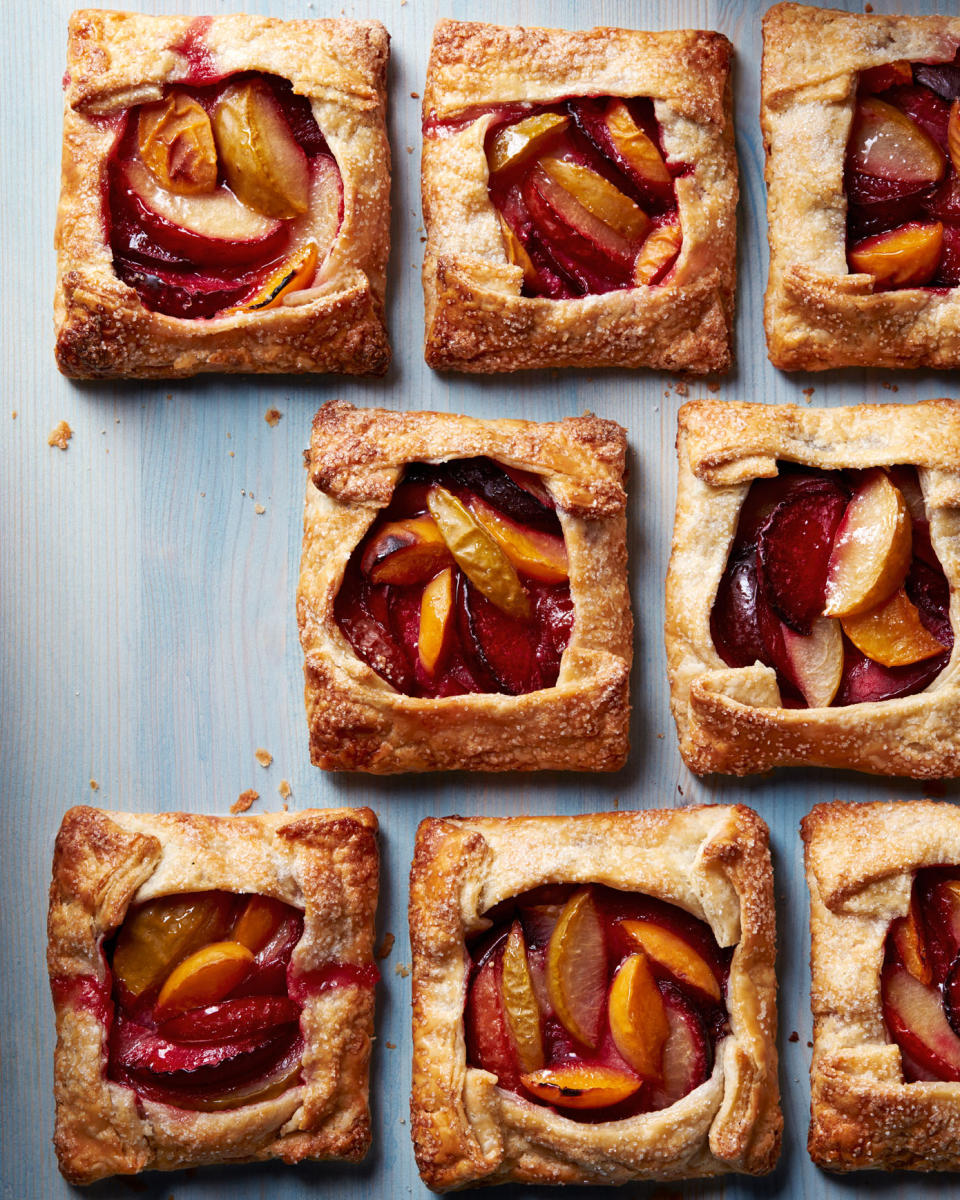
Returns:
point(244, 801)
point(402, 969)
point(284, 789)
point(272, 416)
point(60, 436)
point(94, 786)
point(263, 757)
point(386, 945)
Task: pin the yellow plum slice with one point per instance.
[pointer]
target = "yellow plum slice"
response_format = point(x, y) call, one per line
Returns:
point(535, 553)
point(203, 978)
point(638, 150)
point(638, 1021)
point(577, 968)
point(872, 548)
point(516, 144)
point(599, 197)
point(674, 954)
point(886, 143)
point(436, 620)
point(175, 141)
point(520, 1003)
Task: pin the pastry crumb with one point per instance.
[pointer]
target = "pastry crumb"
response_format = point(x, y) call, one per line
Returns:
point(94, 786)
point(713, 385)
point(390, 1045)
point(409, 149)
point(402, 969)
point(809, 1045)
point(60, 436)
point(661, 736)
point(272, 416)
point(414, 95)
point(14, 414)
point(794, 1037)
point(244, 801)
point(679, 789)
point(232, 454)
point(263, 757)
point(259, 509)
point(808, 392)
point(386, 945)
point(681, 388)
point(868, 7)
point(284, 789)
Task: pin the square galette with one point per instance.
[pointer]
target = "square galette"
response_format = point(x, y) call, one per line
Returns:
point(861, 123)
point(224, 202)
point(884, 884)
point(594, 998)
point(812, 594)
point(213, 983)
point(463, 598)
point(579, 196)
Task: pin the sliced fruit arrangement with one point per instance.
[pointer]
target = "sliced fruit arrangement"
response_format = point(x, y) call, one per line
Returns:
point(599, 1003)
point(832, 581)
point(920, 980)
point(902, 176)
point(209, 197)
point(461, 584)
point(585, 195)
point(206, 1006)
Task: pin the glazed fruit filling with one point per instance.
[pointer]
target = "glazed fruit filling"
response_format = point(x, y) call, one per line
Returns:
point(585, 196)
point(832, 580)
point(902, 176)
point(222, 197)
point(920, 981)
point(601, 1004)
point(461, 583)
point(204, 1012)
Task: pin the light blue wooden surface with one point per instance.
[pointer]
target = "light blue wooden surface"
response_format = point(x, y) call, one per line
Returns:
point(149, 636)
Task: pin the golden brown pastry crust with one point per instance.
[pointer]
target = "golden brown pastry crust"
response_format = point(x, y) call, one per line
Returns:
point(115, 60)
point(323, 862)
point(713, 862)
point(860, 860)
point(730, 719)
point(357, 720)
point(476, 318)
point(817, 314)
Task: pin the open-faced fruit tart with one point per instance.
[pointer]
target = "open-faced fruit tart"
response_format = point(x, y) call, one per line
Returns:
point(827, 634)
point(885, 923)
point(861, 118)
point(214, 173)
point(579, 191)
point(202, 1015)
point(605, 1027)
point(463, 597)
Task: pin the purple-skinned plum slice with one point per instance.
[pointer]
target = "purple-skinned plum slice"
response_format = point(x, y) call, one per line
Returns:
point(916, 1020)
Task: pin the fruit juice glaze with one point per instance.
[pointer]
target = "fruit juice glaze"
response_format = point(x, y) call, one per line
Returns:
point(792, 533)
point(920, 979)
point(584, 194)
point(201, 1001)
point(548, 1012)
point(189, 262)
point(902, 176)
point(461, 584)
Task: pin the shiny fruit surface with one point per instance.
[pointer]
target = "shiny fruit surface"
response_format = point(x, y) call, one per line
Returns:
point(633, 143)
point(872, 549)
point(577, 967)
point(175, 141)
point(814, 662)
point(205, 977)
point(886, 143)
point(515, 144)
point(567, 1009)
point(893, 634)
point(599, 197)
point(903, 257)
point(638, 1021)
point(539, 555)
point(260, 157)
point(581, 1086)
point(657, 253)
point(436, 620)
point(583, 228)
point(158, 934)
point(258, 922)
point(406, 551)
point(292, 275)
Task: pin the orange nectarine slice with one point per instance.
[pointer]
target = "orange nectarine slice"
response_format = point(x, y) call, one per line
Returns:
point(436, 619)
point(204, 978)
point(581, 1086)
point(816, 660)
point(599, 197)
point(904, 257)
point(872, 548)
point(154, 938)
point(477, 554)
point(887, 144)
point(577, 968)
point(638, 1022)
point(259, 920)
point(535, 553)
point(910, 946)
point(661, 246)
point(175, 141)
point(674, 954)
point(404, 552)
point(517, 253)
point(639, 151)
point(294, 273)
point(892, 634)
point(515, 144)
point(953, 135)
point(520, 1002)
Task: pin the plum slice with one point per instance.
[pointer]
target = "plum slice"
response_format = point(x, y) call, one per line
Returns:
point(137, 1048)
point(794, 546)
point(243, 1016)
point(505, 647)
point(916, 1020)
point(686, 1052)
